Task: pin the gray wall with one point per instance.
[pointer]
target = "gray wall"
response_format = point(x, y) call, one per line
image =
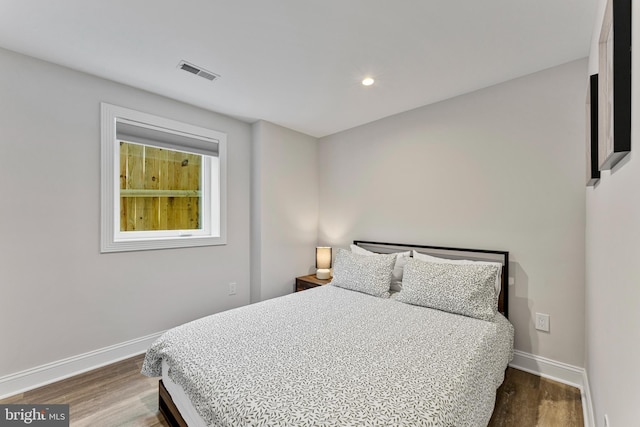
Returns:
point(284, 210)
point(59, 296)
point(613, 272)
point(500, 168)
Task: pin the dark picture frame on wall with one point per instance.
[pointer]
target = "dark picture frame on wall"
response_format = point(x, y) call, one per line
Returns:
point(614, 84)
point(593, 173)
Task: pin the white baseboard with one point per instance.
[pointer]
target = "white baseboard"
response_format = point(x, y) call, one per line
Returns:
point(587, 403)
point(51, 372)
point(558, 371)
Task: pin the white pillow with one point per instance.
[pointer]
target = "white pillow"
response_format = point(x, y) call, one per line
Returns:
point(429, 258)
point(398, 268)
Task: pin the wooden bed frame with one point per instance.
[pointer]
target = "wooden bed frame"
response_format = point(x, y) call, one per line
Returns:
point(171, 413)
point(168, 409)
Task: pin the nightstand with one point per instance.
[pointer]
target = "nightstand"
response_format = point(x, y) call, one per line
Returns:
point(307, 282)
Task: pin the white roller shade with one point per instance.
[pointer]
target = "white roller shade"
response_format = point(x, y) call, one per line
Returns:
point(142, 133)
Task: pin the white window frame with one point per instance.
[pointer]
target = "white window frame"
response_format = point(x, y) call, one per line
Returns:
point(214, 186)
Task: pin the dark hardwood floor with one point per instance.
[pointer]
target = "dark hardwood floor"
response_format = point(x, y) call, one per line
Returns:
point(114, 395)
point(118, 395)
point(527, 400)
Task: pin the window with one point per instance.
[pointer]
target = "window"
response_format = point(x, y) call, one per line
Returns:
point(163, 183)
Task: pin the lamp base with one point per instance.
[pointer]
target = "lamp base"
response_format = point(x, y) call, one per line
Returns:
point(323, 273)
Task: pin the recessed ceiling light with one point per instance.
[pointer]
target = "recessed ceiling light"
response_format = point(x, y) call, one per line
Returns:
point(367, 81)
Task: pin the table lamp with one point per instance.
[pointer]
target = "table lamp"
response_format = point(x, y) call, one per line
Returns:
point(323, 262)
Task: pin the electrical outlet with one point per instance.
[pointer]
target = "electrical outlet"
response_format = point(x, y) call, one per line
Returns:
point(232, 288)
point(542, 322)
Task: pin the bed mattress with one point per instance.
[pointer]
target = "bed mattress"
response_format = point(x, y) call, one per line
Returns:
point(330, 356)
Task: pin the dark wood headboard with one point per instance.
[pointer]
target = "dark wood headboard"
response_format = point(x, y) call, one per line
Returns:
point(453, 253)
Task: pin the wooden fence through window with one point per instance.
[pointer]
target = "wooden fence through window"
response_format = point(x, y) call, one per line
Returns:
point(159, 188)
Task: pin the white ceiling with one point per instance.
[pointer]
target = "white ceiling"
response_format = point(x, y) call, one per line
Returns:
point(298, 63)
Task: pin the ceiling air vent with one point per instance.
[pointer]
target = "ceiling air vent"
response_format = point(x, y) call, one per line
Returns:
point(198, 71)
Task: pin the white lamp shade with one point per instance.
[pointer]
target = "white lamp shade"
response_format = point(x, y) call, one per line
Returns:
point(323, 262)
point(323, 257)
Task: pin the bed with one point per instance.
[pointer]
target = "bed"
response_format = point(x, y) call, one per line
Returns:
point(351, 352)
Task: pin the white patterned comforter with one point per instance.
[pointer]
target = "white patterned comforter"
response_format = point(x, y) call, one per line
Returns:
point(334, 357)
